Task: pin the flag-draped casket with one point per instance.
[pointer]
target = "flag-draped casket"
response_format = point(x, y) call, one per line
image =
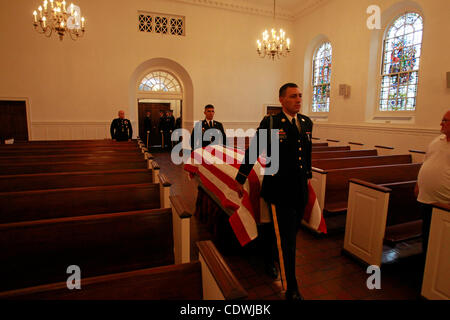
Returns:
point(217, 166)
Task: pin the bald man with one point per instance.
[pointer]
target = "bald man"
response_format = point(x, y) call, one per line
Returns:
point(121, 129)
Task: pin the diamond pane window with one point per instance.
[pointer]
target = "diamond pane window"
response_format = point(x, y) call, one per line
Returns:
point(161, 24)
point(401, 61)
point(145, 23)
point(321, 78)
point(160, 81)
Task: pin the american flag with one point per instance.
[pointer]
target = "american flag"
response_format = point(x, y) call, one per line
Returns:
point(217, 166)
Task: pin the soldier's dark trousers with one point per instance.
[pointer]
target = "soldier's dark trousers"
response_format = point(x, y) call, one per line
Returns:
point(288, 223)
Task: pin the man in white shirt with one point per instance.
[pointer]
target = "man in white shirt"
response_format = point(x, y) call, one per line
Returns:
point(433, 181)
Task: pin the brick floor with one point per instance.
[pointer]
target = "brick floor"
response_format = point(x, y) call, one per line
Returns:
point(323, 273)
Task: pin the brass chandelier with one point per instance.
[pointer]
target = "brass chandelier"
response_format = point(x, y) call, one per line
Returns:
point(56, 17)
point(273, 44)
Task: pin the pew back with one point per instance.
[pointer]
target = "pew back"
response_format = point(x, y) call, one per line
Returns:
point(337, 181)
point(68, 202)
point(343, 154)
point(338, 163)
point(45, 181)
point(39, 252)
point(335, 148)
point(69, 166)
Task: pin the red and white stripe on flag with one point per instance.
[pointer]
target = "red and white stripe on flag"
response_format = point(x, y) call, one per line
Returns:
point(217, 166)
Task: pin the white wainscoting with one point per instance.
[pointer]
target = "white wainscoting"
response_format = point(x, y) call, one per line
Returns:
point(401, 139)
point(71, 130)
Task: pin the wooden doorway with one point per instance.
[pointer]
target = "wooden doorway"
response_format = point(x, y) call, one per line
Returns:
point(13, 119)
point(153, 108)
point(273, 110)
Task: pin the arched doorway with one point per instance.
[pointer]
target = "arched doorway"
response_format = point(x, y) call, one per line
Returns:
point(158, 91)
point(156, 81)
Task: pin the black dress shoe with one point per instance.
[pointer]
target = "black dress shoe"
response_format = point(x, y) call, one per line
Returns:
point(293, 295)
point(272, 271)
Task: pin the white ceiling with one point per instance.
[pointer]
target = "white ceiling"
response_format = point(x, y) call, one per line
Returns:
point(285, 5)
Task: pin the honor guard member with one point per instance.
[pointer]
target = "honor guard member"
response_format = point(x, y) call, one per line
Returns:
point(121, 129)
point(147, 127)
point(202, 126)
point(162, 127)
point(288, 188)
point(170, 126)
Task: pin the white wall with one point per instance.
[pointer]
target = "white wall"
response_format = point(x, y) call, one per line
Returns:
point(343, 23)
point(83, 83)
point(74, 88)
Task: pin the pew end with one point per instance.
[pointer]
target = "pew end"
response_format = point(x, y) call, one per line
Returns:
point(366, 221)
point(417, 156)
point(218, 281)
point(436, 284)
point(318, 182)
point(181, 220)
point(152, 164)
point(164, 190)
point(380, 214)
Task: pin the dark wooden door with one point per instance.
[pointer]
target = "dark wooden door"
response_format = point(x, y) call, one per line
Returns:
point(273, 110)
point(154, 108)
point(13, 121)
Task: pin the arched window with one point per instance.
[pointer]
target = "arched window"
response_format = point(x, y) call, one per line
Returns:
point(401, 59)
point(321, 78)
point(160, 81)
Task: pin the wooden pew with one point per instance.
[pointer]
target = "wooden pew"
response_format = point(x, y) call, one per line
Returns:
point(108, 242)
point(69, 166)
point(70, 157)
point(336, 148)
point(69, 144)
point(244, 142)
point(45, 181)
point(378, 212)
point(337, 163)
point(210, 278)
point(67, 202)
point(38, 252)
point(43, 151)
point(343, 154)
point(332, 186)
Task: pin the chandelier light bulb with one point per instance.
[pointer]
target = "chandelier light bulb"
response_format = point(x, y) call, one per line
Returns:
point(59, 19)
point(274, 44)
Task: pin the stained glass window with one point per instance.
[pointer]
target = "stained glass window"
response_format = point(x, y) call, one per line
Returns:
point(321, 78)
point(401, 60)
point(160, 81)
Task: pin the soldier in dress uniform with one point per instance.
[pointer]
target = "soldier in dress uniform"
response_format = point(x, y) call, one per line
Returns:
point(147, 127)
point(203, 126)
point(121, 129)
point(170, 126)
point(162, 127)
point(288, 188)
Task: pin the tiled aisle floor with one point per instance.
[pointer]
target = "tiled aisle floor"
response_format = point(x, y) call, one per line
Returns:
point(323, 272)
